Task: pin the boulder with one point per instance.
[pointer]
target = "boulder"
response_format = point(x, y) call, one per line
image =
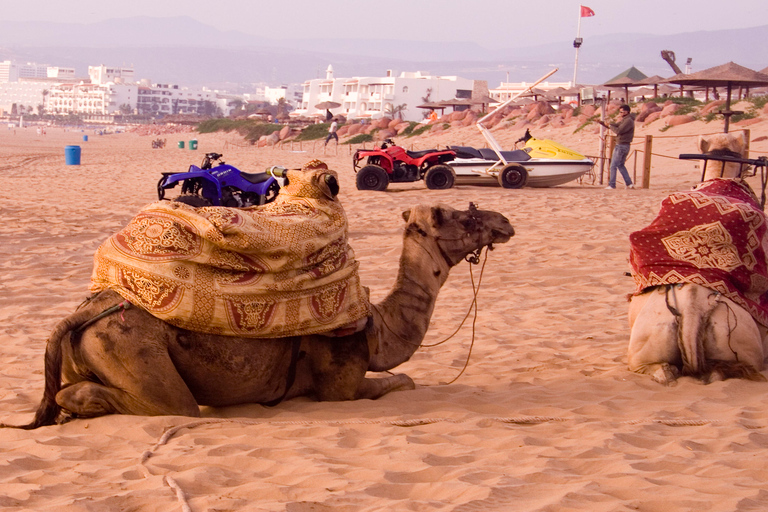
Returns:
point(458, 116)
point(646, 110)
point(285, 131)
point(652, 117)
point(401, 127)
point(588, 111)
point(384, 134)
point(678, 120)
point(382, 123)
point(394, 123)
point(341, 132)
point(670, 109)
point(354, 129)
point(437, 127)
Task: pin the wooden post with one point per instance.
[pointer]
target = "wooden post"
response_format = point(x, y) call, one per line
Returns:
point(746, 147)
point(647, 161)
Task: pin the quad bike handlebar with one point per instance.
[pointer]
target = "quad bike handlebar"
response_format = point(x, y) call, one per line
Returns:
point(209, 159)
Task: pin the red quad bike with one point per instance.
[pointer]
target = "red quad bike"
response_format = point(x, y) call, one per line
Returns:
point(392, 163)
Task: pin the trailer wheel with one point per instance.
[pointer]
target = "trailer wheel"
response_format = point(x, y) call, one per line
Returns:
point(513, 176)
point(372, 177)
point(439, 177)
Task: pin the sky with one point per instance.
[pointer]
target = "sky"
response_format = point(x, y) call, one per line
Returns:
point(490, 23)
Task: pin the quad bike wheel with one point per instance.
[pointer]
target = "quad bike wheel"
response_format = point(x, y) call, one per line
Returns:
point(513, 176)
point(439, 177)
point(271, 193)
point(372, 177)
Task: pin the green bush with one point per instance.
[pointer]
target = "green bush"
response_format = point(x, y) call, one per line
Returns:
point(418, 131)
point(360, 138)
point(314, 132)
point(685, 100)
point(250, 129)
point(411, 126)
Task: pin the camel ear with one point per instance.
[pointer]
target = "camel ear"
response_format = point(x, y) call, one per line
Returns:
point(437, 216)
point(703, 144)
point(406, 215)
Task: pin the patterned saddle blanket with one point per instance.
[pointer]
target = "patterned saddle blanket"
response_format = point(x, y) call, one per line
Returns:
point(277, 270)
point(714, 236)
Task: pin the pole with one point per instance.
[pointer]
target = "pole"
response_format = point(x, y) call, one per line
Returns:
point(577, 44)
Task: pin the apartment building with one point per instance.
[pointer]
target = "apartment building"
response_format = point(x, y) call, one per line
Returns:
point(373, 97)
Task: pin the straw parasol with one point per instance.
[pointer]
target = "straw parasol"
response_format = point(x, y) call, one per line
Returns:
point(327, 105)
point(654, 81)
point(626, 79)
point(726, 75)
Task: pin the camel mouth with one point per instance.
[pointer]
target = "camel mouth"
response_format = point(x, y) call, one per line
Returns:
point(500, 236)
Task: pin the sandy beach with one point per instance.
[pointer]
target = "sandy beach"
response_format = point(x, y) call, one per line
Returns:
point(546, 417)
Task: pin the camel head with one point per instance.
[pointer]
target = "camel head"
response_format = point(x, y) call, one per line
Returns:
point(457, 233)
point(725, 144)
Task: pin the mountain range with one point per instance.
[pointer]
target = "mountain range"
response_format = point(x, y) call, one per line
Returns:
point(181, 50)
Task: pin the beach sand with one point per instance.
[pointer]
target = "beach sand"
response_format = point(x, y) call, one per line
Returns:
point(546, 416)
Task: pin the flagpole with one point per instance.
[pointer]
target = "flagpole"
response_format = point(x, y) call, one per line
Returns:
point(577, 44)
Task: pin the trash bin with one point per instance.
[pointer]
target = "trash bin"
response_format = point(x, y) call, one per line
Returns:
point(72, 155)
point(181, 144)
point(193, 144)
point(85, 138)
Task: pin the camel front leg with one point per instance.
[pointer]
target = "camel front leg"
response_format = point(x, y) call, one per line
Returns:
point(376, 388)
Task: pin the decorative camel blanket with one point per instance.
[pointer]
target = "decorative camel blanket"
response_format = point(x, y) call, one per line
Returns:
point(715, 236)
point(277, 270)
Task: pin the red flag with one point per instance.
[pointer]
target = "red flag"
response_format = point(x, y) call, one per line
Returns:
point(586, 12)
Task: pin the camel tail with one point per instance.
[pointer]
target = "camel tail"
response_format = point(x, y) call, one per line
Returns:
point(693, 322)
point(48, 410)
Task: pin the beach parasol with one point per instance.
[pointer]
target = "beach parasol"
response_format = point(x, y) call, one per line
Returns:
point(327, 105)
point(625, 80)
point(654, 81)
point(725, 75)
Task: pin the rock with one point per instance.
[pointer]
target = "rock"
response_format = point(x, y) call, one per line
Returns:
point(543, 121)
point(670, 109)
point(678, 120)
point(401, 127)
point(384, 134)
point(646, 110)
point(273, 138)
point(394, 123)
point(341, 132)
point(285, 131)
point(712, 106)
point(458, 116)
point(354, 129)
point(588, 111)
point(749, 122)
point(468, 121)
point(437, 127)
point(382, 123)
point(652, 117)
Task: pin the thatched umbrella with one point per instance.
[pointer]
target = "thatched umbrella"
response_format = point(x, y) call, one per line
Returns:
point(625, 80)
point(654, 81)
point(725, 75)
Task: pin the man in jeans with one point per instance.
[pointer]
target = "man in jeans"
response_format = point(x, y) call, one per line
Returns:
point(625, 131)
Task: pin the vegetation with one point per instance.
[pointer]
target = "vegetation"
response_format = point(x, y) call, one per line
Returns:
point(685, 100)
point(395, 111)
point(314, 132)
point(360, 138)
point(250, 129)
point(417, 131)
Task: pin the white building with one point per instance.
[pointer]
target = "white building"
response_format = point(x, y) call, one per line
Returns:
point(103, 74)
point(506, 90)
point(90, 99)
point(165, 99)
point(373, 97)
point(27, 94)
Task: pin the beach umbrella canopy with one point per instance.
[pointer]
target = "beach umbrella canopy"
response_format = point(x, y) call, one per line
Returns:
point(726, 75)
point(626, 79)
point(653, 81)
point(326, 105)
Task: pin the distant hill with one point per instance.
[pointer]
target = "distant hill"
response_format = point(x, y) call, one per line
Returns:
point(184, 51)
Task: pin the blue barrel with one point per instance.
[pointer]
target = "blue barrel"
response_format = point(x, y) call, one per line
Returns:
point(85, 138)
point(72, 155)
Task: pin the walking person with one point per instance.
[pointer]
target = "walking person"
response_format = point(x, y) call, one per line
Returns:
point(332, 132)
point(625, 131)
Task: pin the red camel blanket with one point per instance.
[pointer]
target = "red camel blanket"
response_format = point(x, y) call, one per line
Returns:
point(277, 270)
point(714, 236)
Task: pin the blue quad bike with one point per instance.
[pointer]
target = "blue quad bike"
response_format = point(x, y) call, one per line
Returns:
point(216, 183)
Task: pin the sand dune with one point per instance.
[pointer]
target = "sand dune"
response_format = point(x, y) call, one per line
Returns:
point(546, 416)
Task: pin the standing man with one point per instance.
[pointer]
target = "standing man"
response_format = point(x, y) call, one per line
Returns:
point(625, 131)
point(332, 132)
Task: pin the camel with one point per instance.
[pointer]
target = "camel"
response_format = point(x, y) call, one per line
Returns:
point(133, 363)
point(694, 330)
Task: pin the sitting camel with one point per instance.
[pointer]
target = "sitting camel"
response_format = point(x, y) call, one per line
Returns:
point(134, 363)
point(701, 307)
